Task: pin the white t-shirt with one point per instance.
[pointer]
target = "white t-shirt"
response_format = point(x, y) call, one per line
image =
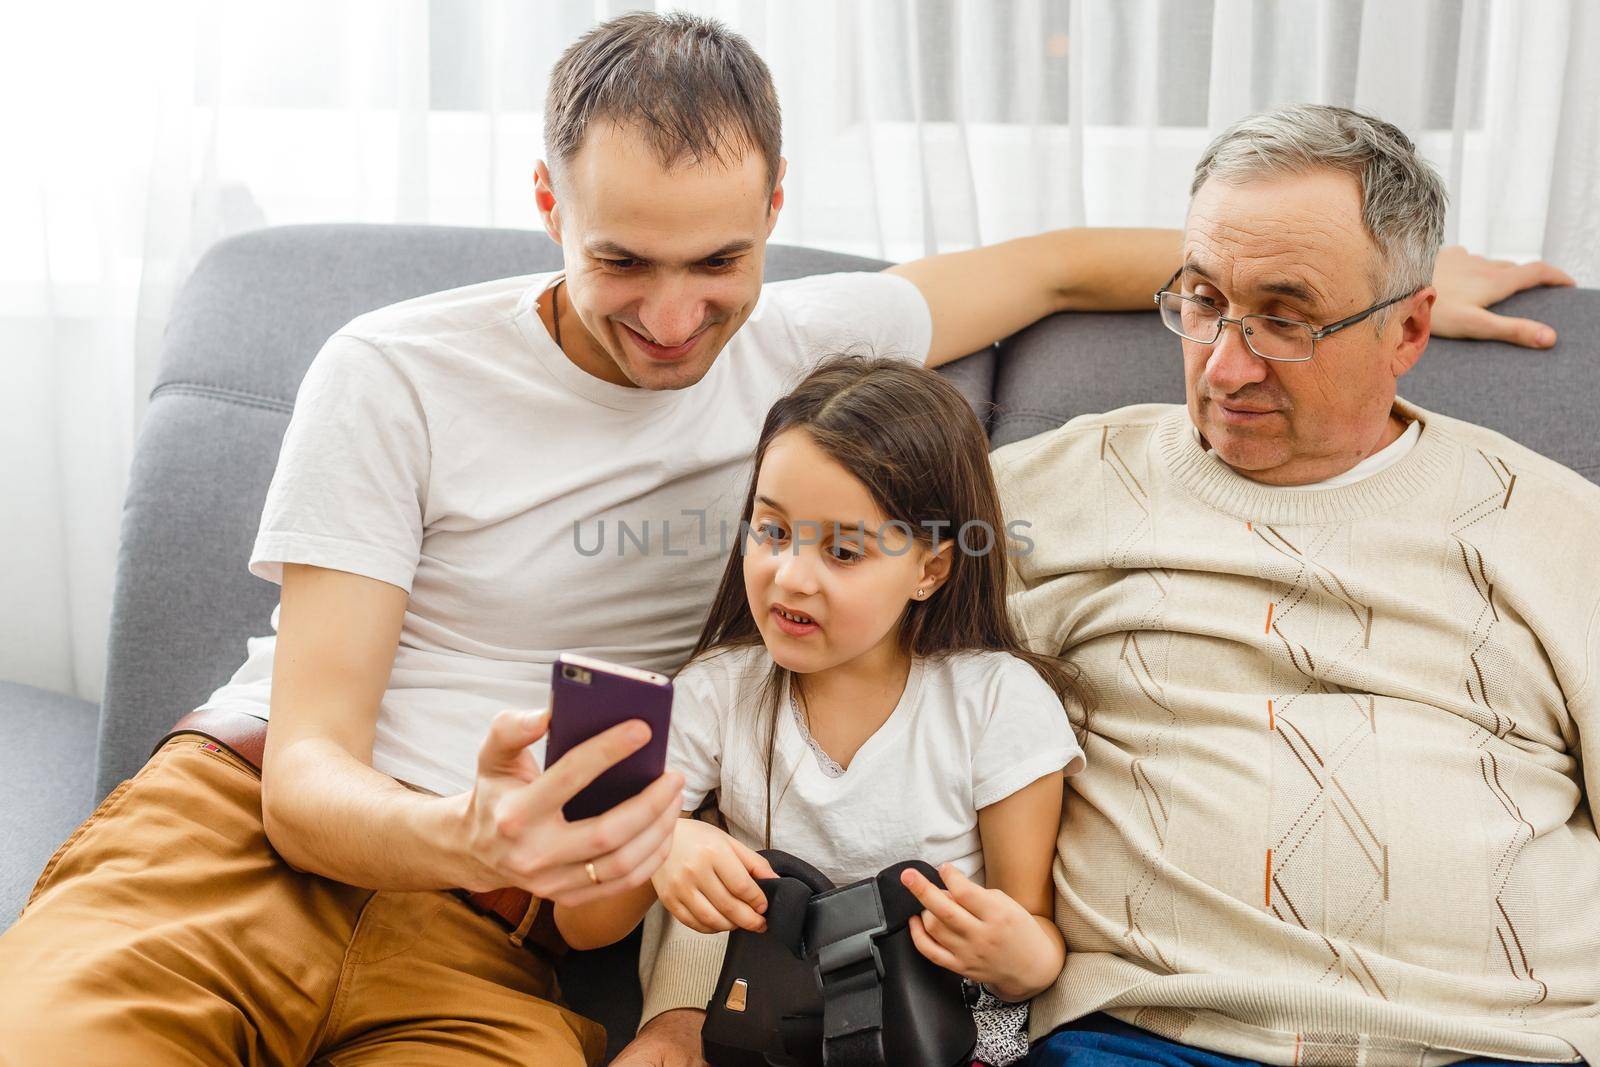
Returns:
point(447, 446)
point(970, 729)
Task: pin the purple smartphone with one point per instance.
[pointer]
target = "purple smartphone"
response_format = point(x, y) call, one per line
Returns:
point(589, 696)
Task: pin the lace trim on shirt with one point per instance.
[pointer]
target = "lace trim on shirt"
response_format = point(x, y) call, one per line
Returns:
point(829, 765)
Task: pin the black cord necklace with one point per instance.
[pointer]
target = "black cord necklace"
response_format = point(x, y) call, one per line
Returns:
point(555, 314)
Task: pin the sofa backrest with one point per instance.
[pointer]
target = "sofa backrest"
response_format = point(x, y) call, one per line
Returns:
point(242, 332)
point(259, 306)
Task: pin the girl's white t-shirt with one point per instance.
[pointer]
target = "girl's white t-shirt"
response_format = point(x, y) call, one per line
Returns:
point(445, 445)
point(969, 730)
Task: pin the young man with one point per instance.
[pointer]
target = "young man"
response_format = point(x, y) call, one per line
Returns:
point(451, 463)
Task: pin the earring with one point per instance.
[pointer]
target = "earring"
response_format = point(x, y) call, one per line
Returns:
point(921, 593)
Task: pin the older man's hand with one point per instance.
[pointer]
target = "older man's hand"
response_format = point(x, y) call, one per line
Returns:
point(671, 1039)
point(1468, 284)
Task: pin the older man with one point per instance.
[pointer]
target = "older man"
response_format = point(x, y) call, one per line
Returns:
point(1344, 656)
point(1344, 652)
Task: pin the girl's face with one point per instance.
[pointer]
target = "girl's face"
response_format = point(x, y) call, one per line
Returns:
point(826, 581)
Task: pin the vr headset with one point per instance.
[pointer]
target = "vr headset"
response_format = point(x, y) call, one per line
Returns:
point(835, 980)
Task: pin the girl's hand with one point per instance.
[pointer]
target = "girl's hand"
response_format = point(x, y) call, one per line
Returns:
point(981, 934)
point(708, 881)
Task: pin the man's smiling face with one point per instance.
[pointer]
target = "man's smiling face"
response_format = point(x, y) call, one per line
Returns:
point(663, 265)
point(1293, 246)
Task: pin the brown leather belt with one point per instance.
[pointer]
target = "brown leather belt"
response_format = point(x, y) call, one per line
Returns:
point(516, 909)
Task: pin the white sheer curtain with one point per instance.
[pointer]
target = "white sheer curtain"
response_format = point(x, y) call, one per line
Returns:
point(137, 134)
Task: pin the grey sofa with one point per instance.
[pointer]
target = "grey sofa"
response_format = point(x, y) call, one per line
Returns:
point(255, 312)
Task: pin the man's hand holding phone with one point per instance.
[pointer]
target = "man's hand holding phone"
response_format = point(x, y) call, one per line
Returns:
point(517, 835)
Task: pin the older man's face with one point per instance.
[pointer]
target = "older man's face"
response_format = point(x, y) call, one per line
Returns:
point(1294, 247)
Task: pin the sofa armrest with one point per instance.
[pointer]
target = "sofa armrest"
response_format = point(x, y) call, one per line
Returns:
point(47, 745)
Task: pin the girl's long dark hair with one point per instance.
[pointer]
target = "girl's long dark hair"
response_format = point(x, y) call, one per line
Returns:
point(913, 442)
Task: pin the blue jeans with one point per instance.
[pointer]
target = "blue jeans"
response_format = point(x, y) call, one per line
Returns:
point(1098, 1040)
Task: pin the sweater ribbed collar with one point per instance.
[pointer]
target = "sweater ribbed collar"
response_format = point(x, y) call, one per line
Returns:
point(1215, 483)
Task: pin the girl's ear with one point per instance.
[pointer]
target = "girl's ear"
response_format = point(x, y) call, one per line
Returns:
point(935, 571)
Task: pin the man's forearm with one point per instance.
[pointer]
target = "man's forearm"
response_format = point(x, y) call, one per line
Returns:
point(328, 813)
point(1102, 269)
point(979, 296)
point(671, 1039)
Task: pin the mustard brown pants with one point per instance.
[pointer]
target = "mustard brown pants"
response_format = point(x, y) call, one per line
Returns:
point(166, 930)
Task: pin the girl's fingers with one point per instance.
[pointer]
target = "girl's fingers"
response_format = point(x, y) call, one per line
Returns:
point(940, 931)
point(734, 910)
point(925, 891)
point(754, 862)
point(967, 893)
point(943, 908)
point(712, 921)
point(734, 877)
point(931, 949)
point(679, 909)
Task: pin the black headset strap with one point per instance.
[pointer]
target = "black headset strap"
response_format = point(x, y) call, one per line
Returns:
point(842, 928)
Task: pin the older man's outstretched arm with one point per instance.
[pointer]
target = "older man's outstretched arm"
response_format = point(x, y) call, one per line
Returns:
point(982, 295)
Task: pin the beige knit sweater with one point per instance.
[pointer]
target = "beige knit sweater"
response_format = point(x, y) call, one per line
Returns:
point(1334, 809)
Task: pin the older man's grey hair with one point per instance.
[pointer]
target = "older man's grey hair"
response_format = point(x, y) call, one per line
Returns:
point(1402, 198)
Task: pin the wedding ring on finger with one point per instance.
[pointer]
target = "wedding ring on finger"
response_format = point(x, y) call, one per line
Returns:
point(594, 879)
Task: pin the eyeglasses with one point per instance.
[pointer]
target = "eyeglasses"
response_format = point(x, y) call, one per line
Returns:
point(1270, 337)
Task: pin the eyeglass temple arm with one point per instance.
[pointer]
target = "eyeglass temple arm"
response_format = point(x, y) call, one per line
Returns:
point(1168, 287)
point(1359, 316)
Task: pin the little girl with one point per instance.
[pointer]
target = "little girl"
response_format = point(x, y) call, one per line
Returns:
point(859, 697)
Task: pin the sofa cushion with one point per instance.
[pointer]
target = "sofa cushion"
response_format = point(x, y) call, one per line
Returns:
point(46, 783)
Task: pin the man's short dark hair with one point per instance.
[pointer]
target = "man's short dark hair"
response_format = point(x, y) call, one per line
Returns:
point(694, 88)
